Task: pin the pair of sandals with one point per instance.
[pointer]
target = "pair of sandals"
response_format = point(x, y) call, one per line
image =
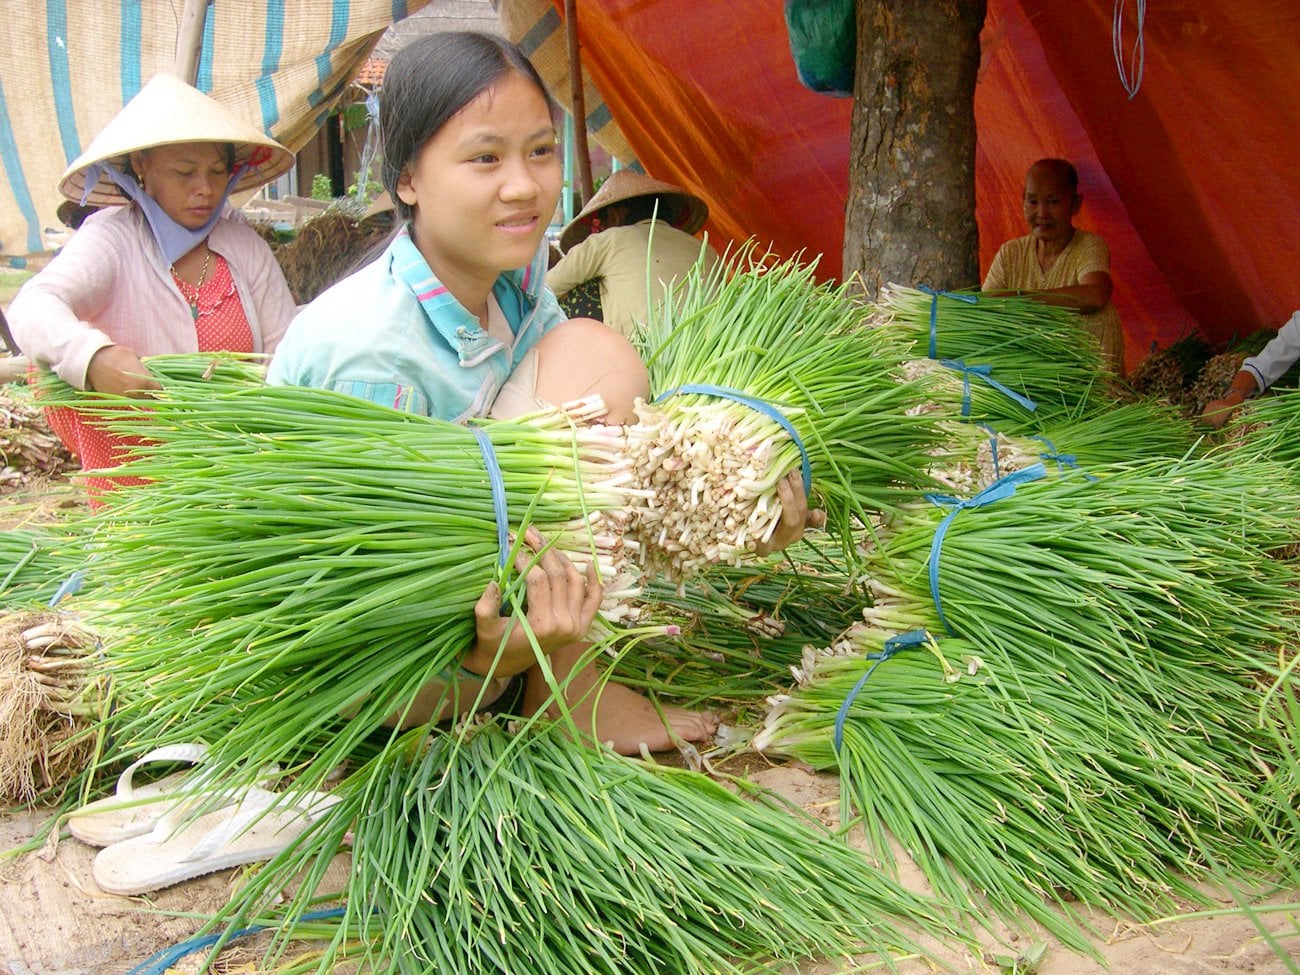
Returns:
point(181, 826)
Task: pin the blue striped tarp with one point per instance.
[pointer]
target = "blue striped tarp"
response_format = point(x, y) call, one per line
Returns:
point(67, 66)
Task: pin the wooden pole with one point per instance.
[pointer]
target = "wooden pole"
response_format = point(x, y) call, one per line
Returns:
point(189, 40)
point(579, 102)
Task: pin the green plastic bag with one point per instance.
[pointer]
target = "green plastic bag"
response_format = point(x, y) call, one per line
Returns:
point(824, 42)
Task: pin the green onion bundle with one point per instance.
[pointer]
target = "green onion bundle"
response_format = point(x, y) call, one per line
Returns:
point(1006, 777)
point(973, 456)
point(50, 694)
point(35, 562)
point(741, 629)
point(297, 554)
point(774, 336)
point(1039, 351)
point(478, 851)
point(1150, 590)
point(1268, 429)
point(1159, 560)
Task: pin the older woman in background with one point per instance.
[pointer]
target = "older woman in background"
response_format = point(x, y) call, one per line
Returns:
point(1056, 263)
point(166, 267)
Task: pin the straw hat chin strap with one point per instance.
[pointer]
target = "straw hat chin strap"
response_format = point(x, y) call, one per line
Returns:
point(173, 240)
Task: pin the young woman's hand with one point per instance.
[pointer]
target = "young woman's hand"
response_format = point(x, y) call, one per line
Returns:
point(561, 603)
point(795, 516)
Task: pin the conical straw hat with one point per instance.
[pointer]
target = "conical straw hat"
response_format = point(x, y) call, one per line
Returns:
point(679, 207)
point(167, 111)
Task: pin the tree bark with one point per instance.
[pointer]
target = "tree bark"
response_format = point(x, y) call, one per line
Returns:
point(910, 217)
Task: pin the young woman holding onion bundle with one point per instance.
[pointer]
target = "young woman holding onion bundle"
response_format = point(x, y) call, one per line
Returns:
point(165, 267)
point(454, 321)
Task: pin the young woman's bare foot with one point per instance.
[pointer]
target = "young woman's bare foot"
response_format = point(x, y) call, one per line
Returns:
point(614, 714)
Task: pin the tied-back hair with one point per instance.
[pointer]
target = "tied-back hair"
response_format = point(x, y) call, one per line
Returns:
point(428, 82)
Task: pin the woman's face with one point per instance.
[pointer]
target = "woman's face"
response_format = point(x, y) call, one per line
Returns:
point(1050, 205)
point(186, 179)
point(484, 187)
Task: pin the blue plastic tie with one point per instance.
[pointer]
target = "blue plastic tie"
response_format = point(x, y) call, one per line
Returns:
point(159, 962)
point(934, 312)
point(984, 372)
point(912, 638)
point(767, 409)
point(1062, 460)
point(498, 494)
point(1003, 487)
point(993, 445)
point(69, 587)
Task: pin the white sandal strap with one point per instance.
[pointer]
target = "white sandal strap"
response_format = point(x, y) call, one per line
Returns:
point(193, 752)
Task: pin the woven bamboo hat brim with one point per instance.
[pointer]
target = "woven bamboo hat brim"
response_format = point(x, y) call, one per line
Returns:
point(167, 111)
point(679, 207)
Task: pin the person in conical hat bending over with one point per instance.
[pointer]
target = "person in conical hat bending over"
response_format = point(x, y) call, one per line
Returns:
point(635, 236)
point(165, 267)
point(454, 321)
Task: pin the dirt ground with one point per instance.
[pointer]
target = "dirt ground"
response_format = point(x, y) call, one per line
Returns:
point(55, 921)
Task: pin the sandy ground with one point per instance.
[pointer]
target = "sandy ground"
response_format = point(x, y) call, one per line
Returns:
point(55, 921)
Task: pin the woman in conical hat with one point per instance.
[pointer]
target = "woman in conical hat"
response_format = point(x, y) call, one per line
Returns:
point(166, 266)
point(632, 225)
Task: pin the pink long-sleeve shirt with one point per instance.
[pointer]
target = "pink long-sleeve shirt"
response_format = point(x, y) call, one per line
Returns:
point(110, 285)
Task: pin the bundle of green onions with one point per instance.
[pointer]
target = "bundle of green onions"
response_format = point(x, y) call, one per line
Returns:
point(1040, 352)
point(36, 563)
point(974, 455)
point(741, 630)
point(50, 693)
point(758, 371)
point(1149, 594)
point(297, 554)
point(1011, 781)
point(1268, 429)
point(480, 851)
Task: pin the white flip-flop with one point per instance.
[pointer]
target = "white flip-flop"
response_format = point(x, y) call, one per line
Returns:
point(134, 810)
point(256, 827)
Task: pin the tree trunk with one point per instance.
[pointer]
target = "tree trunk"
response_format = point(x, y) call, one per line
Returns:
point(911, 210)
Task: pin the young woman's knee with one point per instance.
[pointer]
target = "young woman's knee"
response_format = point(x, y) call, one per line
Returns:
point(583, 356)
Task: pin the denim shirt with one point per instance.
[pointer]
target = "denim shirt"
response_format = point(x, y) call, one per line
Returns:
point(393, 334)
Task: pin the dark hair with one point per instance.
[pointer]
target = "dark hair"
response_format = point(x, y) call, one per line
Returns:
point(1062, 168)
point(637, 208)
point(430, 80)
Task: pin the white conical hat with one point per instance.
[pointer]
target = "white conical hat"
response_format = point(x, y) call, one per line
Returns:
point(167, 111)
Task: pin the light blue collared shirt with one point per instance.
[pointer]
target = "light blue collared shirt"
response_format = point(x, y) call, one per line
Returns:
point(393, 334)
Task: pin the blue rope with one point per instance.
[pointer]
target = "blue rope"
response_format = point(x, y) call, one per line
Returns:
point(993, 445)
point(1062, 460)
point(69, 587)
point(1003, 487)
point(934, 312)
point(159, 962)
point(762, 406)
point(984, 372)
point(912, 638)
point(498, 494)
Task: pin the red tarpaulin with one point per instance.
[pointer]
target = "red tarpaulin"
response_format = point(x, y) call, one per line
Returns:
point(1194, 182)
